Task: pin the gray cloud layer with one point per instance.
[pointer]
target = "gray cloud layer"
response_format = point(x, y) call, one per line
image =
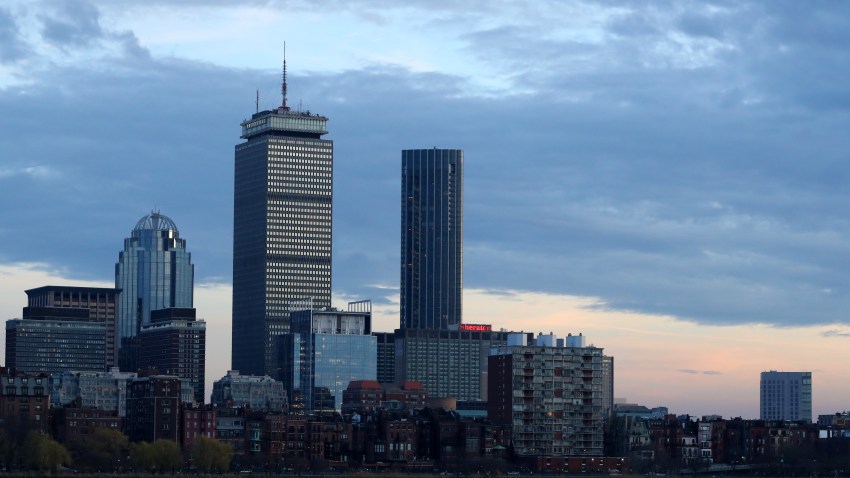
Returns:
point(690, 163)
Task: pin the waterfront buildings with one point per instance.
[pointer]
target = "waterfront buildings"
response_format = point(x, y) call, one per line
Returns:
point(786, 396)
point(55, 339)
point(551, 396)
point(282, 221)
point(154, 271)
point(174, 343)
point(431, 238)
point(325, 351)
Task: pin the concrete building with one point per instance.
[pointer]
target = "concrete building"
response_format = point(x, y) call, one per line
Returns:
point(282, 228)
point(101, 302)
point(431, 238)
point(552, 397)
point(257, 393)
point(786, 396)
point(56, 339)
point(448, 363)
point(174, 343)
point(325, 351)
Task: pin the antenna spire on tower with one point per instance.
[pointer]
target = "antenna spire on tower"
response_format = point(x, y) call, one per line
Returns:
point(257, 104)
point(283, 85)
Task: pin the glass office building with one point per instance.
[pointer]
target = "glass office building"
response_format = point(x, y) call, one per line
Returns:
point(431, 238)
point(54, 340)
point(154, 271)
point(326, 350)
point(282, 218)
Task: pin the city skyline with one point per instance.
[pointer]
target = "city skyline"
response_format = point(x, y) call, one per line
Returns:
point(668, 181)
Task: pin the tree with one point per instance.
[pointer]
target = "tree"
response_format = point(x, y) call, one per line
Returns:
point(210, 454)
point(43, 453)
point(103, 450)
point(159, 456)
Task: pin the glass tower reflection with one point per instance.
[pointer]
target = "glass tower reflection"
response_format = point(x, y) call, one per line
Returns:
point(154, 271)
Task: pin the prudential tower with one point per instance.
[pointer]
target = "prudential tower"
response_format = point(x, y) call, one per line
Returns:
point(282, 220)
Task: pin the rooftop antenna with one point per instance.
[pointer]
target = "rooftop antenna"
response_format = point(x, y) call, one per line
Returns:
point(283, 85)
point(257, 102)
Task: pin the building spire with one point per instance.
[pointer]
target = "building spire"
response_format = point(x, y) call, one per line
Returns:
point(283, 83)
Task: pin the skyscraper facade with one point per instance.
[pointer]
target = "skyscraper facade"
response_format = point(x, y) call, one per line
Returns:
point(154, 271)
point(55, 339)
point(786, 396)
point(431, 238)
point(101, 303)
point(282, 219)
point(329, 349)
point(550, 395)
point(174, 343)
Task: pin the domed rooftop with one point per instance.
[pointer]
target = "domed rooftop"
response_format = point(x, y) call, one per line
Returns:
point(156, 222)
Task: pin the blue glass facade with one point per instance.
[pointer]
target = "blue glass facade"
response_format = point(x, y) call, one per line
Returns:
point(154, 271)
point(325, 351)
point(431, 238)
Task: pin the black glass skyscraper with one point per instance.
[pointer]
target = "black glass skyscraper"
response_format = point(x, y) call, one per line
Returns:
point(281, 228)
point(431, 238)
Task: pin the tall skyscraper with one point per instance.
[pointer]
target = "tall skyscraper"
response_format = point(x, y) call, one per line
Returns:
point(431, 238)
point(154, 271)
point(282, 219)
point(786, 396)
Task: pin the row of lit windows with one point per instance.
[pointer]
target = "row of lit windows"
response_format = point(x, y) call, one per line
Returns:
point(296, 191)
point(307, 205)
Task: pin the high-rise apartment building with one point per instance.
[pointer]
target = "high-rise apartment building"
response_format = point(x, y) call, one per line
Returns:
point(282, 215)
point(786, 396)
point(100, 302)
point(550, 395)
point(431, 238)
point(154, 271)
point(174, 343)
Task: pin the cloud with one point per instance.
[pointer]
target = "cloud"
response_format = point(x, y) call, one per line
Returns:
point(698, 372)
point(687, 175)
point(835, 333)
point(12, 46)
point(74, 24)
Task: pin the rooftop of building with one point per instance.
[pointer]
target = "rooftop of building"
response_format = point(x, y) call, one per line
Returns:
point(156, 222)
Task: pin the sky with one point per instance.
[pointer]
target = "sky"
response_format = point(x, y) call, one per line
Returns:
point(668, 178)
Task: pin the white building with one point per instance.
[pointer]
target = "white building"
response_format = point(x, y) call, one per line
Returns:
point(254, 392)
